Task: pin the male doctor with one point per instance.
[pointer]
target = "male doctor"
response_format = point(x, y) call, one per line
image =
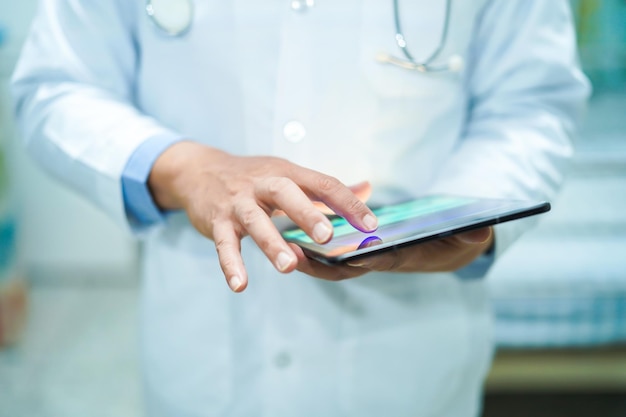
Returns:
point(193, 123)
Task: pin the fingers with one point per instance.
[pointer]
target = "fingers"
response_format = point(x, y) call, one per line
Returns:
point(293, 198)
point(326, 272)
point(228, 248)
point(245, 191)
point(439, 255)
point(251, 215)
point(258, 225)
point(386, 261)
point(284, 193)
point(476, 236)
point(338, 198)
point(362, 191)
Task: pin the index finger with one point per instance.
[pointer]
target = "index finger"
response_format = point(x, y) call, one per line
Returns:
point(362, 191)
point(338, 197)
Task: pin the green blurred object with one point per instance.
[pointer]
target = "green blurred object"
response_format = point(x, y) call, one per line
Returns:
point(13, 291)
point(7, 217)
point(601, 27)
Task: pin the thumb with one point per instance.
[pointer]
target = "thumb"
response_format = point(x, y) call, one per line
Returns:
point(476, 236)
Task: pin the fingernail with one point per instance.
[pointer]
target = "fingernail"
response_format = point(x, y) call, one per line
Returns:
point(474, 237)
point(235, 282)
point(283, 261)
point(469, 240)
point(322, 232)
point(357, 264)
point(370, 222)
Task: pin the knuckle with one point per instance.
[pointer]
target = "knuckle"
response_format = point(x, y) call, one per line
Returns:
point(328, 184)
point(278, 186)
point(270, 164)
point(227, 259)
point(222, 247)
point(355, 205)
point(249, 217)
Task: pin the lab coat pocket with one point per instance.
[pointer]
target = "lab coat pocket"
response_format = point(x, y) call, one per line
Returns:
point(423, 25)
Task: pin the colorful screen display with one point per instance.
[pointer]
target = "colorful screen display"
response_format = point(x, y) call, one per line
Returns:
point(413, 221)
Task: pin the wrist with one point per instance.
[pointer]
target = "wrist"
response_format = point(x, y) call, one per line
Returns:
point(175, 172)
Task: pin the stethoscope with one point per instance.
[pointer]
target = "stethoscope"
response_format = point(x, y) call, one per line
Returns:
point(454, 63)
point(174, 18)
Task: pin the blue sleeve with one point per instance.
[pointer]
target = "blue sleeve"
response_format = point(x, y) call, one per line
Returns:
point(479, 267)
point(138, 203)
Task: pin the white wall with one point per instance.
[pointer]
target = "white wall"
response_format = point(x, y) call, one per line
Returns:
point(60, 235)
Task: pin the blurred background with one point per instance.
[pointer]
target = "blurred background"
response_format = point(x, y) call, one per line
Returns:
point(68, 281)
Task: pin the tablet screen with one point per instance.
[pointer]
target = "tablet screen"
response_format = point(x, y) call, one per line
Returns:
point(413, 221)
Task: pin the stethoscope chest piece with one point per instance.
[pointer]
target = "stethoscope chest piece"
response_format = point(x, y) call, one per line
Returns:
point(174, 17)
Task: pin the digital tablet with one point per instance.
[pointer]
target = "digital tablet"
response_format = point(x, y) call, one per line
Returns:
point(411, 222)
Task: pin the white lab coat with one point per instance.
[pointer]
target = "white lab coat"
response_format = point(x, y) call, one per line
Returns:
point(97, 78)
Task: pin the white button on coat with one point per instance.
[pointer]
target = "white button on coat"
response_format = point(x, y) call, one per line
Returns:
point(302, 5)
point(294, 131)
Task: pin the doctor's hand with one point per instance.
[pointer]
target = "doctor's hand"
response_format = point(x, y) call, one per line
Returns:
point(227, 197)
point(442, 255)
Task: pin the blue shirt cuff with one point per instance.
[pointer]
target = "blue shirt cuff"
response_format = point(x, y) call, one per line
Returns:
point(479, 267)
point(138, 203)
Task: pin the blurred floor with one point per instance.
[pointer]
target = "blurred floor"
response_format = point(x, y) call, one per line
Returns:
point(555, 405)
point(78, 358)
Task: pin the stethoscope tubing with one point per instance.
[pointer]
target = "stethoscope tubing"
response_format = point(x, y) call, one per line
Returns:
point(422, 66)
point(455, 62)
